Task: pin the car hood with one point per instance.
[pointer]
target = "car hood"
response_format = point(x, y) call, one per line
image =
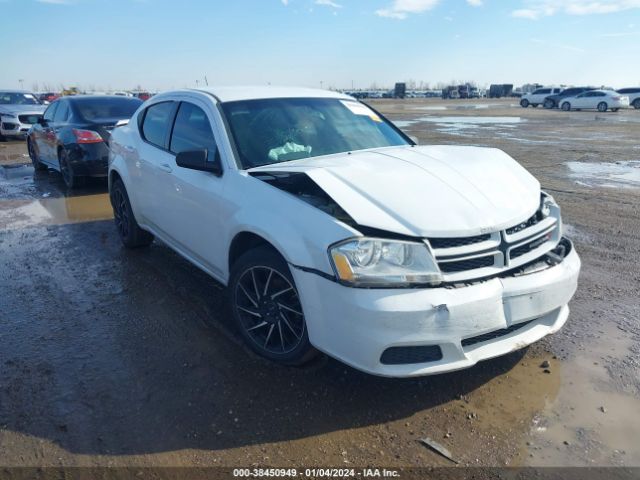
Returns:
point(429, 191)
point(22, 109)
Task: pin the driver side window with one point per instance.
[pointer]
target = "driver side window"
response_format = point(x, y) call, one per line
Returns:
point(192, 131)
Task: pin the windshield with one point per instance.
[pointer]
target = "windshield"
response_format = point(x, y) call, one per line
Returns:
point(283, 129)
point(18, 98)
point(107, 108)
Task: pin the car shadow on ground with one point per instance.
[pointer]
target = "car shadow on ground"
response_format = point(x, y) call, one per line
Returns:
point(111, 351)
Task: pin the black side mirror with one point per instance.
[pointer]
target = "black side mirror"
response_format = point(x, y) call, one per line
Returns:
point(198, 160)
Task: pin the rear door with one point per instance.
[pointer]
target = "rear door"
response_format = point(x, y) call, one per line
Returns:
point(60, 121)
point(194, 197)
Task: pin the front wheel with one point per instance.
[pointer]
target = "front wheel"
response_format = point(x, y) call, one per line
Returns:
point(549, 104)
point(37, 164)
point(130, 233)
point(267, 308)
point(603, 107)
point(524, 103)
point(566, 106)
point(636, 104)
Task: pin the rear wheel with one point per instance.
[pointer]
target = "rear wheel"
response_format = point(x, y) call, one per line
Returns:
point(267, 308)
point(130, 233)
point(524, 103)
point(70, 179)
point(566, 106)
point(549, 104)
point(37, 164)
point(603, 107)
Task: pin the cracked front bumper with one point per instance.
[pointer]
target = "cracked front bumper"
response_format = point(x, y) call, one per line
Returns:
point(356, 326)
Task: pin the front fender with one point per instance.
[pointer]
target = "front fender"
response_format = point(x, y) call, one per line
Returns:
point(299, 231)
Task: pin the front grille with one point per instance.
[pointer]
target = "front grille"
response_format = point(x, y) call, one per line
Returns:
point(524, 225)
point(528, 247)
point(457, 242)
point(467, 342)
point(29, 119)
point(463, 265)
point(411, 355)
point(468, 258)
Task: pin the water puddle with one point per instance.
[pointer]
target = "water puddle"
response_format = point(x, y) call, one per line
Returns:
point(588, 422)
point(622, 174)
point(16, 214)
point(459, 124)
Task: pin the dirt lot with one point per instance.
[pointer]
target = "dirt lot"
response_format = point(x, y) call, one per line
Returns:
point(113, 357)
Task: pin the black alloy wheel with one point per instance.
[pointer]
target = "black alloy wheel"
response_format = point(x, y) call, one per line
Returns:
point(267, 308)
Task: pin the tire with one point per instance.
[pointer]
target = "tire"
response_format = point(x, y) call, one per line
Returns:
point(524, 103)
point(636, 104)
point(603, 107)
point(549, 104)
point(71, 181)
point(267, 309)
point(130, 233)
point(566, 107)
point(37, 164)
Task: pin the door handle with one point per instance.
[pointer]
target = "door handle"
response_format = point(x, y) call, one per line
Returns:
point(165, 167)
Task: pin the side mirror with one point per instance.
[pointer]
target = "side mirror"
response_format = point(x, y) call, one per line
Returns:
point(42, 121)
point(198, 160)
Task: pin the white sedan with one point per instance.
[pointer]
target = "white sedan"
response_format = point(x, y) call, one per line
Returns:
point(334, 232)
point(601, 100)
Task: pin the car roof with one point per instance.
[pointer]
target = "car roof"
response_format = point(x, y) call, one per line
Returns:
point(232, 94)
point(10, 90)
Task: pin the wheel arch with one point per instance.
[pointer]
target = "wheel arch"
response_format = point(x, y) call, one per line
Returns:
point(245, 241)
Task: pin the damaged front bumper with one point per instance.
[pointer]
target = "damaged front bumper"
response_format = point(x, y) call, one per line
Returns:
point(412, 332)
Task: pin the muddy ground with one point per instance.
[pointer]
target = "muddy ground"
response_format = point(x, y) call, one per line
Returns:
point(113, 357)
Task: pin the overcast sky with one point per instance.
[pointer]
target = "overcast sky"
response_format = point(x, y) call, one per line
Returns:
point(160, 44)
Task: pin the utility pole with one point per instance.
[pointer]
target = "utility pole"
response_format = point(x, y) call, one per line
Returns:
point(196, 83)
point(321, 82)
point(21, 83)
point(206, 81)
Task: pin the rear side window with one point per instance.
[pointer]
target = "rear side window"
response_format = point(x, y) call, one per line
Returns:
point(62, 114)
point(51, 111)
point(544, 91)
point(156, 123)
point(192, 131)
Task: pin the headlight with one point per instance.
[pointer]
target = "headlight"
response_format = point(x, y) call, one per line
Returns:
point(373, 262)
point(547, 203)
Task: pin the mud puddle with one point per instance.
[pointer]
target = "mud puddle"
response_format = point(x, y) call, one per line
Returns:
point(589, 421)
point(621, 174)
point(15, 214)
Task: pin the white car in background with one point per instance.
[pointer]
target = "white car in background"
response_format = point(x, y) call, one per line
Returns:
point(601, 100)
point(633, 94)
point(334, 232)
point(19, 110)
point(538, 96)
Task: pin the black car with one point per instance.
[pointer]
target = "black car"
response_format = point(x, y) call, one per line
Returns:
point(553, 101)
point(73, 134)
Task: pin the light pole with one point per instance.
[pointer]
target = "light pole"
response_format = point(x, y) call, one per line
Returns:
point(21, 83)
point(321, 82)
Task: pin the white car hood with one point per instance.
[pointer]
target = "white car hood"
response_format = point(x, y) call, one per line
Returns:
point(428, 191)
point(22, 109)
